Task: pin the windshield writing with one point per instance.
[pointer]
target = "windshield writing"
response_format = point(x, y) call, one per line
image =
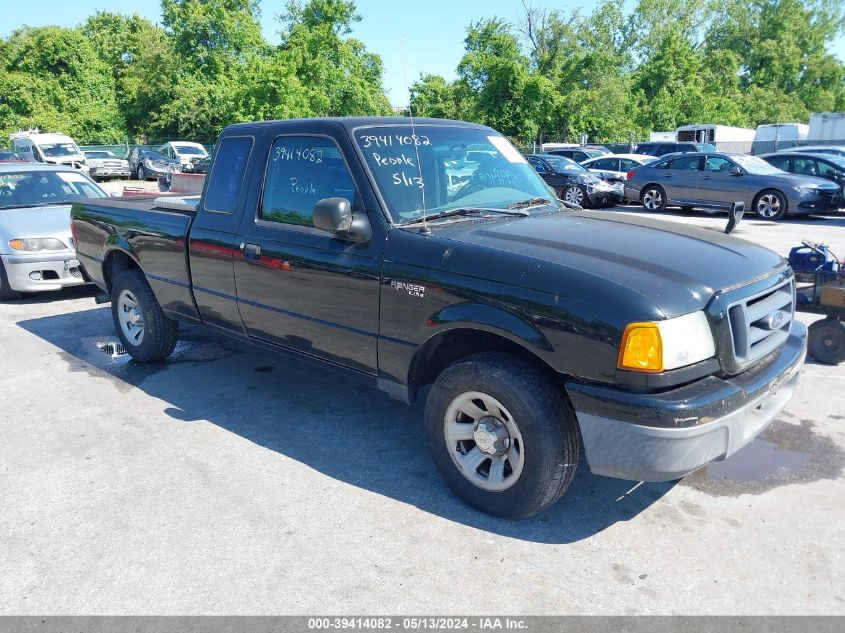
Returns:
point(432, 169)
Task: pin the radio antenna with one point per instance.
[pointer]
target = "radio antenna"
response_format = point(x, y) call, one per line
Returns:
point(425, 230)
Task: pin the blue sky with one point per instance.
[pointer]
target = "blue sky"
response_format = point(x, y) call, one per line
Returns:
point(433, 29)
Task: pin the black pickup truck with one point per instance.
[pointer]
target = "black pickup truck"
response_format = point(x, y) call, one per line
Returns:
point(417, 253)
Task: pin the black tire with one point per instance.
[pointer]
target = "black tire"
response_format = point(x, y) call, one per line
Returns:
point(653, 198)
point(142, 175)
point(160, 334)
point(579, 195)
point(546, 423)
point(765, 207)
point(826, 343)
point(6, 292)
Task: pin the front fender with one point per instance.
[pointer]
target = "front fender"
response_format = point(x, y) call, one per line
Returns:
point(492, 319)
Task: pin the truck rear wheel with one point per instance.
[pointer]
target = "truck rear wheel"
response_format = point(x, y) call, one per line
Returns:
point(6, 292)
point(826, 341)
point(146, 333)
point(502, 435)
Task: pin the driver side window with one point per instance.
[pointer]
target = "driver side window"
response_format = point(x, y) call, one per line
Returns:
point(302, 170)
point(718, 164)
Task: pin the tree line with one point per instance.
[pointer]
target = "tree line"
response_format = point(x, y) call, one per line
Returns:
point(555, 74)
point(207, 65)
point(614, 75)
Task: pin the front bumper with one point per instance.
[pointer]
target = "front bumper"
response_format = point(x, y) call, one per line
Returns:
point(661, 437)
point(36, 272)
point(110, 172)
point(816, 203)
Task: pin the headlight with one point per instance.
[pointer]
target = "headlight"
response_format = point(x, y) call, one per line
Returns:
point(815, 190)
point(657, 346)
point(37, 244)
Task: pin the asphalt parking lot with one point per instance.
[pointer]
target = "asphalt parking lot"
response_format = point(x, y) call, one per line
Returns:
point(228, 480)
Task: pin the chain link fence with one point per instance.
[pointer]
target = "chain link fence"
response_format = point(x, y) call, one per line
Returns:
point(755, 148)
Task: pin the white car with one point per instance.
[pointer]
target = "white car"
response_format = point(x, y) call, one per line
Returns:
point(37, 248)
point(52, 149)
point(103, 164)
point(185, 152)
point(615, 167)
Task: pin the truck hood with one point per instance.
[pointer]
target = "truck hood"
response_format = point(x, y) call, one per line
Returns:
point(30, 222)
point(676, 267)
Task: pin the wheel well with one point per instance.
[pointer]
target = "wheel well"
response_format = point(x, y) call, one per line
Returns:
point(114, 264)
point(446, 348)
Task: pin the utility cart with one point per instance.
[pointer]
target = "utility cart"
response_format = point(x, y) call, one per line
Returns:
point(820, 289)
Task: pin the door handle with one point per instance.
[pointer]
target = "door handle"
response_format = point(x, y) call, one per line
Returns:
point(251, 251)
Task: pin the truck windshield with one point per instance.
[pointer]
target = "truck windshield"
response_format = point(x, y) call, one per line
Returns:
point(434, 168)
point(57, 150)
point(37, 188)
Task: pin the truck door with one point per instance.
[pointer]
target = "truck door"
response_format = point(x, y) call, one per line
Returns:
point(300, 287)
point(212, 237)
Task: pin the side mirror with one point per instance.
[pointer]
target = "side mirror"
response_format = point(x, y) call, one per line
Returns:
point(736, 171)
point(334, 215)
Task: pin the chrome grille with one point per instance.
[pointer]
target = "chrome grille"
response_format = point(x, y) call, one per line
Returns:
point(760, 324)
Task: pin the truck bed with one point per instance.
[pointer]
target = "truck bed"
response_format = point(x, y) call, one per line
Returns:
point(142, 229)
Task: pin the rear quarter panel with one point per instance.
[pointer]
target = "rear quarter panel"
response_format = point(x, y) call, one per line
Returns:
point(153, 239)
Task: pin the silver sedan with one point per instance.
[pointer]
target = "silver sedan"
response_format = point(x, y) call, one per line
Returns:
point(37, 249)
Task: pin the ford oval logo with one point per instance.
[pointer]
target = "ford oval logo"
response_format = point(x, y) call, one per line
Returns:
point(774, 320)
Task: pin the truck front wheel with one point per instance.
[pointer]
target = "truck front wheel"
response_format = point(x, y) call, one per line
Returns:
point(502, 435)
point(146, 333)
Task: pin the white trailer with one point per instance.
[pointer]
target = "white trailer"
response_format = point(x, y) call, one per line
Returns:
point(657, 137)
point(771, 137)
point(827, 127)
point(724, 137)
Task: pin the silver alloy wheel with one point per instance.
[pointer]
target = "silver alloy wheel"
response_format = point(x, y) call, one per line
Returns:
point(130, 317)
point(484, 441)
point(768, 205)
point(652, 199)
point(574, 195)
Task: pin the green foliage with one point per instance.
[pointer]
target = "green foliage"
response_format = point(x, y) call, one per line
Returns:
point(558, 74)
point(118, 76)
point(53, 79)
point(665, 64)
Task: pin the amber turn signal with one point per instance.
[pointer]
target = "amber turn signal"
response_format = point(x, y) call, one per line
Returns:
point(642, 348)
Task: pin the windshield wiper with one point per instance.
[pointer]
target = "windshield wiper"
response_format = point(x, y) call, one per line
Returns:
point(464, 211)
point(530, 203)
point(21, 206)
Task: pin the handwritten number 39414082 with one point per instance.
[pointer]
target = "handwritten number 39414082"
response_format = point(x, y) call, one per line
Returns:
point(308, 154)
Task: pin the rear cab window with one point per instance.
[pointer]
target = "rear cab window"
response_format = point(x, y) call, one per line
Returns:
point(227, 174)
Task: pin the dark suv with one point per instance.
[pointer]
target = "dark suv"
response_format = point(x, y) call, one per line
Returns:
point(661, 148)
point(828, 166)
